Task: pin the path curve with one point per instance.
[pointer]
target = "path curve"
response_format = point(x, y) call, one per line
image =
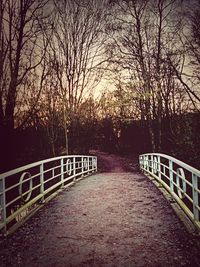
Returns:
point(116, 163)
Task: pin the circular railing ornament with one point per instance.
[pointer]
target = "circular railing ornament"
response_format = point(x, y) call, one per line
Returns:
point(68, 167)
point(28, 175)
point(180, 174)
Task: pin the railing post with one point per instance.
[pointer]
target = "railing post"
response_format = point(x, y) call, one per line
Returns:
point(74, 165)
point(82, 166)
point(152, 164)
point(148, 164)
point(74, 168)
point(91, 164)
point(159, 168)
point(62, 171)
point(3, 205)
point(88, 165)
point(195, 197)
point(142, 162)
point(96, 164)
point(42, 181)
point(171, 176)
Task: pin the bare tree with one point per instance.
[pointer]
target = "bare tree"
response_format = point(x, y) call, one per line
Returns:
point(144, 34)
point(49, 112)
point(77, 49)
point(22, 49)
point(188, 71)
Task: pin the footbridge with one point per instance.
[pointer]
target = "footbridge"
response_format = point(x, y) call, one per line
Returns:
point(124, 217)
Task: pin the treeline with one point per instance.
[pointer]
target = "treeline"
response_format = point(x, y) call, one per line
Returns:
point(112, 134)
point(55, 53)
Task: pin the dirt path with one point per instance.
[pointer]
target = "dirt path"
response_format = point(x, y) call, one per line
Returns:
point(115, 163)
point(116, 219)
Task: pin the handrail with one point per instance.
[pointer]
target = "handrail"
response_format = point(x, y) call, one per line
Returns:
point(180, 179)
point(24, 189)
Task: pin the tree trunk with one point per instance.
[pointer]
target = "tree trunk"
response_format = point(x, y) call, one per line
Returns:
point(152, 135)
point(53, 148)
point(66, 134)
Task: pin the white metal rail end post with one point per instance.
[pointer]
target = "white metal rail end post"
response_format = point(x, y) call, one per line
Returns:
point(94, 164)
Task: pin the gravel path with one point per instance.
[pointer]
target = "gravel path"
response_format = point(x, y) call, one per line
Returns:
point(113, 219)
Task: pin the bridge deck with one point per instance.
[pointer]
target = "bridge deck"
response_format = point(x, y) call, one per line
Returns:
point(108, 219)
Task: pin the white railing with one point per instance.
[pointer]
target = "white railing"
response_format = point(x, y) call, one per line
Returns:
point(180, 179)
point(23, 190)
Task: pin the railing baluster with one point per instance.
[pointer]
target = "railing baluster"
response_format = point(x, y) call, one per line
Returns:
point(159, 168)
point(62, 171)
point(88, 165)
point(152, 164)
point(148, 164)
point(96, 164)
point(171, 175)
point(74, 166)
point(82, 166)
point(42, 181)
point(195, 197)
